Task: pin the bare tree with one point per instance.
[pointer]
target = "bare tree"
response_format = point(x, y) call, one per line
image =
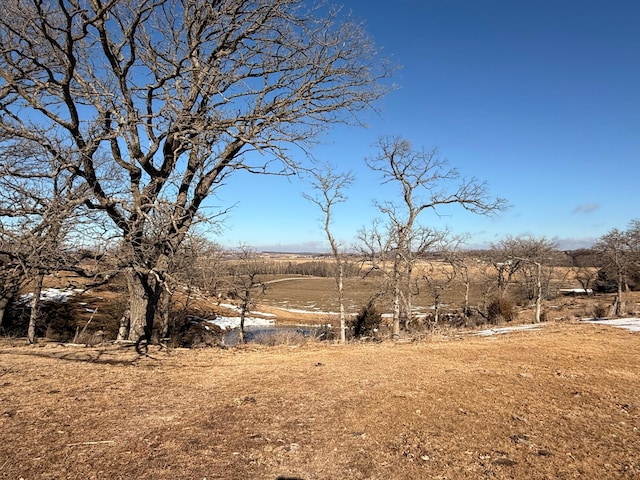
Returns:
point(446, 264)
point(465, 266)
point(374, 248)
point(154, 103)
point(525, 256)
point(633, 242)
point(583, 267)
point(425, 182)
point(39, 210)
point(505, 259)
point(329, 186)
point(439, 276)
point(615, 252)
point(245, 285)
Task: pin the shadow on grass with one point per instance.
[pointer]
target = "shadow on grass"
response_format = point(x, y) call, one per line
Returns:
point(104, 356)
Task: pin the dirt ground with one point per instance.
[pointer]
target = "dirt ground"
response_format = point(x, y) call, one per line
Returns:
point(559, 402)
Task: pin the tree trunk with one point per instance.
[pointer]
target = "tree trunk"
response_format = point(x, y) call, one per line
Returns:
point(123, 329)
point(165, 304)
point(144, 293)
point(467, 310)
point(244, 308)
point(10, 290)
point(243, 314)
point(539, 286)
point(4, 301)
point(618, 302)
point(35, 302)
point(343, 323)
point(396, 296)
point(396, 311)
point(407, 304)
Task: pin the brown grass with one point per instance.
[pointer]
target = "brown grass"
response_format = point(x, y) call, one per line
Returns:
point(558, 402)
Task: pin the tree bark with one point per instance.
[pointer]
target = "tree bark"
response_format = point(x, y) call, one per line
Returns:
point(4, 301)
point(144, 293)
point(123, 329)
point(539, 295)
point(396, 303)
point(467, 310)
point(406, 298)
point(241, 327)
point(35, 302)
point(343, 323)
point(165, 305)
point(618, 302)
point(244, 308)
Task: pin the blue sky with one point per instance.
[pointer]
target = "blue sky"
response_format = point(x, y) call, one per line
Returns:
point(539, 99)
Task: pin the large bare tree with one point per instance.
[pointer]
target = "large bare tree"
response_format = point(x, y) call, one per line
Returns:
point(154, 103)
point(424, 181)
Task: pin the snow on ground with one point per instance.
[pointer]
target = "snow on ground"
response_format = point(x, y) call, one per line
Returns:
point(234, 322)
point(56, 295)
point(631, 324)
point(499, 331)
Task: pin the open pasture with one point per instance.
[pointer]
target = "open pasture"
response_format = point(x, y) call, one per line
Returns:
point(315, 296)
point(560, 401)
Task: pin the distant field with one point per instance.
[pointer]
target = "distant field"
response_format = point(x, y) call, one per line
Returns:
point(319, 293)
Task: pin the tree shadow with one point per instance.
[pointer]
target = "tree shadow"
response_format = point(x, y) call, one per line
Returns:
point(102, 356)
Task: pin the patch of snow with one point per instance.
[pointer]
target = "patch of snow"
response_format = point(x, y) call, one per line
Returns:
point(56, 295)
point(631, 324)
point(234, 322)
point(499, 331)
point(577, 291)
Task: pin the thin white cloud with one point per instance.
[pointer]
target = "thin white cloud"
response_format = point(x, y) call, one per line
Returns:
point(588, 208)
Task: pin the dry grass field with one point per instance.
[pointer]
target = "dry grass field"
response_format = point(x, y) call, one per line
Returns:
point(319, 294)
point(559, 402)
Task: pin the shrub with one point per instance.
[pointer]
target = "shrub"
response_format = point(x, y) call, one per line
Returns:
point(326, 333)
point(281, 337)
point(600, 310)
point(61, 321)
point(367, 322)
point(195, 334)
point(56, 321)
point(501, 310)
